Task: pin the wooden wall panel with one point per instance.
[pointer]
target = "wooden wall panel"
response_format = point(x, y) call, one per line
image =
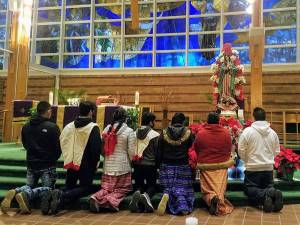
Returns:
point(191, 93)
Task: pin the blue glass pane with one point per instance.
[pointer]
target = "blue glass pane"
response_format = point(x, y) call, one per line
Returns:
point(50, 61)
point(44, 31)
point(49, 15)
point(76, 30)
point(237, 22)
point(74, 14)
point(1, 62)
point(244, 56)
point(107, 28)
point(202, 58)
point(1, 46)
point(3, 18)
point(50, 46)
point(204, 24)
point(3, 4)
point(240, 39)
point(280, 55)
point(272, 4)
point(138, 60)
point(76, 61)
point(204, 7)
point(236, 6)
point(171, 26)
point(287, 18)
point(77, 45)
point(170, 59)
point(138, 44)
point(108, 45)
point(204, 41)
point(170, 43)
point(145, 11)
point(107, 61)
point(145, 27)
point(2, 33)
point(49, 3)
point(108, 12)
point(78, 2)
point(283, 36)
point(171, 9)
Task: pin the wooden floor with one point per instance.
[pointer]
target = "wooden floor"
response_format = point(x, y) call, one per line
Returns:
point(290, 215)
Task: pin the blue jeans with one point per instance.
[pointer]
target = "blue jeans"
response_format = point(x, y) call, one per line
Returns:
point(31, 189)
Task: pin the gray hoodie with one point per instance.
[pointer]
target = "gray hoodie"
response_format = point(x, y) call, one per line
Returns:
point(258, 146)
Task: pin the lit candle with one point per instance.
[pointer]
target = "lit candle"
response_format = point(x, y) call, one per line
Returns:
point(51, 98)
point(137, 98)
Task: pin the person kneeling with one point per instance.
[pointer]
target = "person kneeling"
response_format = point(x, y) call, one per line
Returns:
point(144, 165)
point(175, 172)
point(119, 148)
point(258, 146)
point(213, 147)
point(40, 138)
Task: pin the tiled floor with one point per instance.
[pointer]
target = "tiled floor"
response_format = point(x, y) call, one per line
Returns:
point(290, 215)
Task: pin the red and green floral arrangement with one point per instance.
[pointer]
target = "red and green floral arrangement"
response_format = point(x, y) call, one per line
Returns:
point(228, 61)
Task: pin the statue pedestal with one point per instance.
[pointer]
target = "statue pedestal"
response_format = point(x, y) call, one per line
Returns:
point(228, 113)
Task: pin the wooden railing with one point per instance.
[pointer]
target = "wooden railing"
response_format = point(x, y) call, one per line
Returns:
point(2, 115)
point(286, 122)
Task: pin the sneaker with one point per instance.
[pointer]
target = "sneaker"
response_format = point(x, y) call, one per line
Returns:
point(278, 201)
point(94, 206)
point(56, 201)
point(45, 202)
point(213, 205)
point(268, 204)
point(6, 203)
point(23, 203)
point(161, 209)
point(134, 203)
point(145, 200)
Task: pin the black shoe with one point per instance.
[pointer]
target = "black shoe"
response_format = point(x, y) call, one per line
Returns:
point(134, 204)
point(213, 205)
point(56, 201)
point(94, 206)
point(268, 204)
point(278, 201)
point(45, 202)
point(145, 200)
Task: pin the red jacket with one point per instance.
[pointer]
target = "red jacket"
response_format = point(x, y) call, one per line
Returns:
point(213, 144)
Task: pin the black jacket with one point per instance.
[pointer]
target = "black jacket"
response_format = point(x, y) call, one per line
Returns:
point(40, 137)
point(149, 154)
point(92, 151)
point(173, 145)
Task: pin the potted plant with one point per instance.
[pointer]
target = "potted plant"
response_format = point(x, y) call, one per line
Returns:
point(286, 162)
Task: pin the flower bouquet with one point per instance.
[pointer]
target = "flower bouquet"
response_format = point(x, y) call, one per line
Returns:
point(286, 162)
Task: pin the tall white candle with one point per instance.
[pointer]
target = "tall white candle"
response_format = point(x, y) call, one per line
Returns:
point(137, 98)
point(51, 98)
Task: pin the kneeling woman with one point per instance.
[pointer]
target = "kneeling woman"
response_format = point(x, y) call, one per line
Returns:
point(119, 148)
point(175, 172)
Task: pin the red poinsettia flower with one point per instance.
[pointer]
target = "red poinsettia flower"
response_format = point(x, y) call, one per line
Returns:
point(227, 49)
point(247, 123)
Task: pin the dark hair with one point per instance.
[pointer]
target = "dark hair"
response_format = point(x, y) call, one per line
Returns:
point(147, 117)
point(85, 107)
point(259, 114)
point(42, 107)
point(119, 116)
point(213, 118)
point(178, 118)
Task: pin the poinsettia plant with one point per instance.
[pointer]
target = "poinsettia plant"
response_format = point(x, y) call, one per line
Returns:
point(228, 60)
point(286, 162)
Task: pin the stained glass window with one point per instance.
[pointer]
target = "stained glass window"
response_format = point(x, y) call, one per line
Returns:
point(3, 32)
point(181, 33)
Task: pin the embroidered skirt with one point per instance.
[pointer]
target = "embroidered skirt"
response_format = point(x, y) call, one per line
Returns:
point(113, 190)
point(177, 182)
point(213, 183)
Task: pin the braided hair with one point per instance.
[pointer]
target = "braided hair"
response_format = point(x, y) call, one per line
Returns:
point(119, 116)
